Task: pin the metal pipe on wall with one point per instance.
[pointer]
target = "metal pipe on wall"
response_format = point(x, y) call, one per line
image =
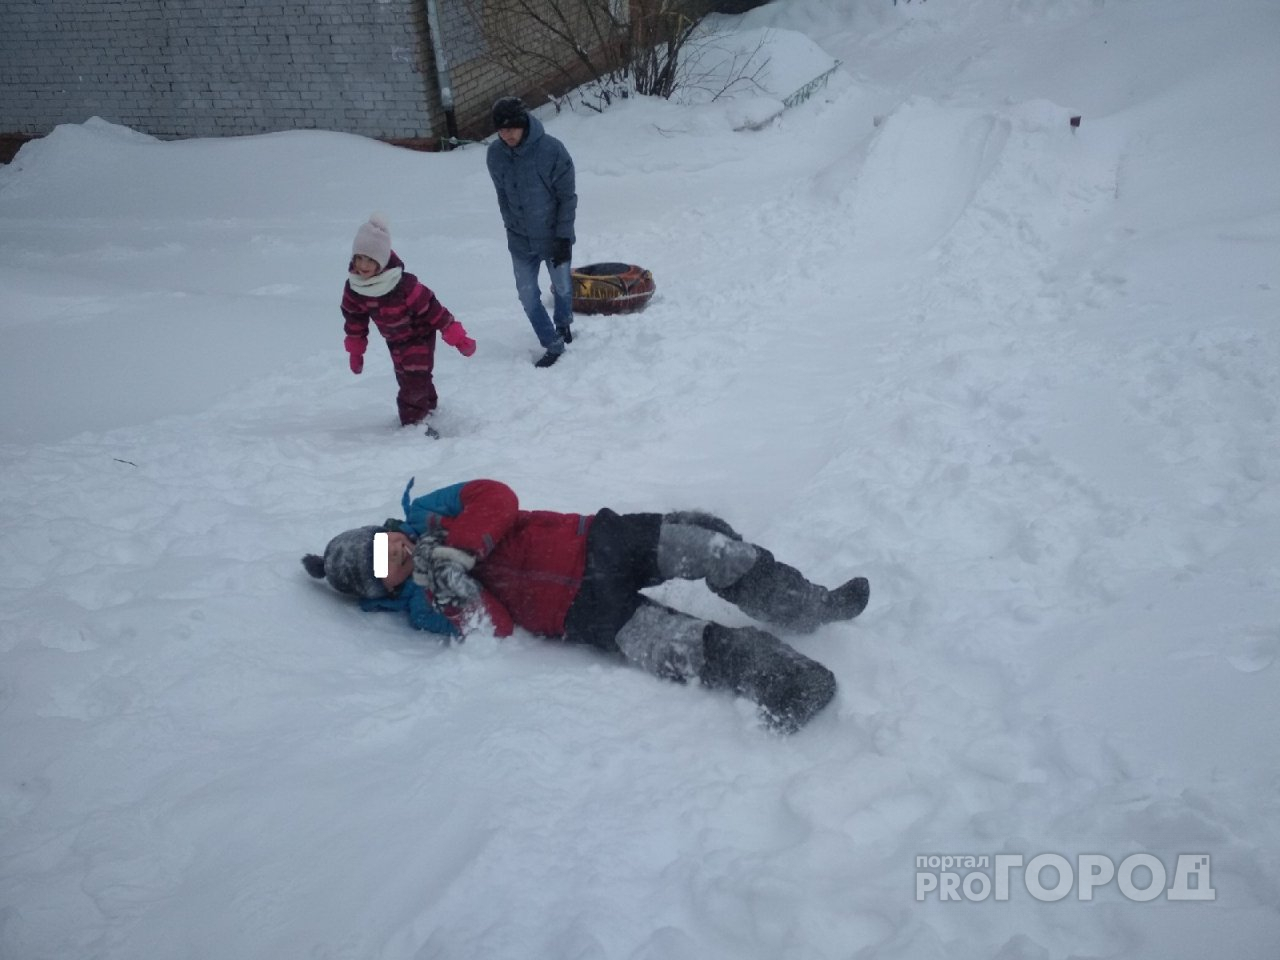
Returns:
point(442, 71)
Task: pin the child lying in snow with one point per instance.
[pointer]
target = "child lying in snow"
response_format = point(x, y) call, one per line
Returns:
point(467, 555)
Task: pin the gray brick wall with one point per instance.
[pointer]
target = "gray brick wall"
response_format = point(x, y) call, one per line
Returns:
point(183, 68)
point(477, 82)
point(479, 78)
point(194, 68)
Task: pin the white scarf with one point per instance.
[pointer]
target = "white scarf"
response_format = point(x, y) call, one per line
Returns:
point(379, 285)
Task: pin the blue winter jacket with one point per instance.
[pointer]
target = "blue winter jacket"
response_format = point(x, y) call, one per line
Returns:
point(529, 563)
point(422, 515)
point(536, 192)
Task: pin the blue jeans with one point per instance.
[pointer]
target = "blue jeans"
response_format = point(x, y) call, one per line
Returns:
point(526, 272)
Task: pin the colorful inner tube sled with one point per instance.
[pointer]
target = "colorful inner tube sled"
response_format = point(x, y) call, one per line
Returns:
point(611, 288)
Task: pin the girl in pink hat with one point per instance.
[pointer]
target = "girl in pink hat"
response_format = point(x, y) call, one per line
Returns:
point(406, 313)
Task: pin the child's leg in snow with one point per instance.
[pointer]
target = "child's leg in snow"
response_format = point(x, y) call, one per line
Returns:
point(688, 552)
point(417, 397)
point(788, 686)
point(663, 642)
point(413, 364)
point(749, 576)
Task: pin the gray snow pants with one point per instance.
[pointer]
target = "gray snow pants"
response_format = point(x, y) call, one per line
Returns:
point(628, 552)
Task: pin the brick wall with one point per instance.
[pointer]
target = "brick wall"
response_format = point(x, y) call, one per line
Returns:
point(183, 68)
point(477, 82)
point(483, 68)
point(194, 68)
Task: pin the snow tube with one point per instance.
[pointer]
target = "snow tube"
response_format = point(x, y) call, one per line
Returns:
point(611, 288)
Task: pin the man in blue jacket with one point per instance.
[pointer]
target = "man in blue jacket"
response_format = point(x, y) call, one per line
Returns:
point(533, 175)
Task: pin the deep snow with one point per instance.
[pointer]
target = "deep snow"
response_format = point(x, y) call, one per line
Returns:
point(1023, 376)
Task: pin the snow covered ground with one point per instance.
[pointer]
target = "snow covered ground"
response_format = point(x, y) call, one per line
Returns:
point(1023, 376)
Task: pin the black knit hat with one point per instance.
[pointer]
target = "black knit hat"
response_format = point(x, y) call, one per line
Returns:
point(348, 564)
point(510, 112)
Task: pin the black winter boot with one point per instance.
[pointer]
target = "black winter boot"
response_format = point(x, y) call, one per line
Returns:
point(776, 593)
point(788, 687)
point(848, 600)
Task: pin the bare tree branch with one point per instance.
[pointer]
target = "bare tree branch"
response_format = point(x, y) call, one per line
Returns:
point(617, 46)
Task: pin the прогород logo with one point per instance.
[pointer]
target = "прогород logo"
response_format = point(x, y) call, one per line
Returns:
point(1139, 877)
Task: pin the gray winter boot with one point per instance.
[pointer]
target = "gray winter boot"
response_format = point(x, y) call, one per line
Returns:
point(779, 594)
point(694, 545)
point(788, 687)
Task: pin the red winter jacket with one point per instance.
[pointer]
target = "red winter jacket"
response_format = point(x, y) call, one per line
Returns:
point(530, 561)
point(408, 317)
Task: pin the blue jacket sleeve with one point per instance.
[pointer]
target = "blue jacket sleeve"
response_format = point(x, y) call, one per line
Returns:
point(563, 182)
point(412, 599)
point(424, 514)
point(494, 161)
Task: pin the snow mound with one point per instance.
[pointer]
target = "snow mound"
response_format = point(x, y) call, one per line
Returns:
point(929, 164)
point(100, 169)
point(756, 70)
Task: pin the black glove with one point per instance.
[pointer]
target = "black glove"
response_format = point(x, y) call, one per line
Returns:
point(443, 572)
point(561, 251)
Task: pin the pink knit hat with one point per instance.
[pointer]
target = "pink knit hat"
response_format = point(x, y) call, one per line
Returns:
point(373, 240)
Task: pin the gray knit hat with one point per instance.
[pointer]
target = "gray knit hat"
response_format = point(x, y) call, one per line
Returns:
point(348, 564)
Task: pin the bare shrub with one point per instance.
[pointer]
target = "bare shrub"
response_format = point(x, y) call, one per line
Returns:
point(606, 49)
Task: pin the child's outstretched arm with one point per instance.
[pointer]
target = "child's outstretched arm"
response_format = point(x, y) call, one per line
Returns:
point(356, 326)
point(455, 335)
point(426, 308)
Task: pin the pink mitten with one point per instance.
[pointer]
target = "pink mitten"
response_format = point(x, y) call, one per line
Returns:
point(455, 335)
point(355, 353)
